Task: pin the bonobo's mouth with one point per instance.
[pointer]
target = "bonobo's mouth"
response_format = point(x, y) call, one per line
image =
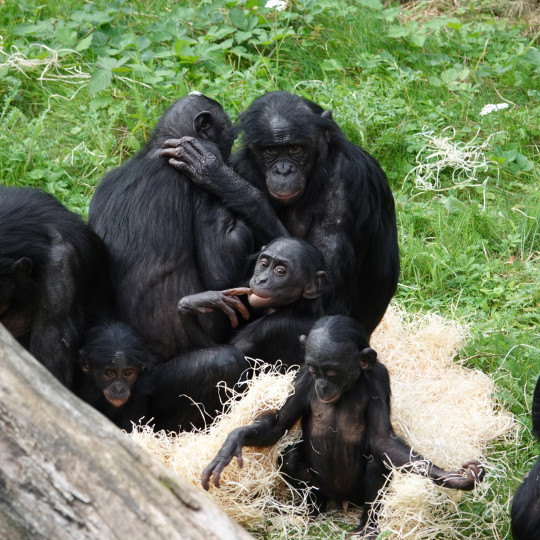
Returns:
point(117, 402)
point(288, 197)
point(330, 400)
point(259, 300)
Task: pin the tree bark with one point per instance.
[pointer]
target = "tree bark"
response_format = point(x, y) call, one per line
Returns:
point(66, 472)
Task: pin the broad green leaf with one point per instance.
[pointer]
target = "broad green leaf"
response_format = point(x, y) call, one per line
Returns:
point(99, 80)
point(84, 43)
point(331, 65)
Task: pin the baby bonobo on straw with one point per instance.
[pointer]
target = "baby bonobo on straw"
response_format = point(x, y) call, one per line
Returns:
point(288, 282)
point(342, 395)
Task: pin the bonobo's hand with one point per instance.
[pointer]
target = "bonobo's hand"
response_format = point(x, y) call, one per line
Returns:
point(191, 157)
point(470, 474)
point(231, 447)
point(208, 301)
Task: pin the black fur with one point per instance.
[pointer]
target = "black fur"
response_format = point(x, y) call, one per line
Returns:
point(342, 396)
point(346, 210)
point(526, 503)
point(115, 346)
point(59, 287)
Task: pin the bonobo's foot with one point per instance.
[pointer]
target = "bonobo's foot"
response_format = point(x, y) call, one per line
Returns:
point(368, 532)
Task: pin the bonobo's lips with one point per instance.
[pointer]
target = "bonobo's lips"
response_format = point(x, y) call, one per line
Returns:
point(328, 401)
point(116, 402)
point(287, 197)
point(259, 300)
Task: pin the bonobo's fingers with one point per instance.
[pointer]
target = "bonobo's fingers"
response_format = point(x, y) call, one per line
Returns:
point(237, 291)
point(181, 166)
point(236, 303)
point(470, 474)
point(186, 146)
point(225, 306)
point(171, 143)
point(216, 466)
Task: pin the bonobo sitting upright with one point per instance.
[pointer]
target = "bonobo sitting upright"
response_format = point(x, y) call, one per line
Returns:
point(288, 281)
point(526, 503)
point(342, 395)
point(322, 187)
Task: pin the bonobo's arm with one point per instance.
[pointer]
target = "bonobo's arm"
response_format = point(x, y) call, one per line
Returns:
point(209, 301)
point(209, 172)
point(387, 445)
point(265, 431)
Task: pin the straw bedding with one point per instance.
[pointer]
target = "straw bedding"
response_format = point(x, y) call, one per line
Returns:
point(442, 409)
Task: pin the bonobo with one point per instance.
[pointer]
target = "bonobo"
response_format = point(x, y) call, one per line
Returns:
point(53, 277)
point(168, 238)
point(288, 280)
point(322, 187)
point(113, 360)
point(342, 395)
point(526, 503)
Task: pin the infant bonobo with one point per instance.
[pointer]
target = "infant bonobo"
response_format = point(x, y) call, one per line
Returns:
point(342, 395)
point(113, 359)
point(288, 281)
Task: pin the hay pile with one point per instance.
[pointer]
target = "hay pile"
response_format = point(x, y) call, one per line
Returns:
point(443, 410)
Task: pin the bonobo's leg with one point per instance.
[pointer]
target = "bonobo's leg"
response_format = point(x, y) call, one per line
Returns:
point(185, 389)
point(374, 480)
point(57, 321)
point(297, 474)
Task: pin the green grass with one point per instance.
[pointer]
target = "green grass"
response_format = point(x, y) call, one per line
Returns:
point(82, 84)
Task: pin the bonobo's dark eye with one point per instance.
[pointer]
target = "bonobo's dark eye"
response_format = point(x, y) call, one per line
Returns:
point(295, 150)
point(331, 373)
point(128, 373)
point(280, 270)
point(263, 263)
point(109, 373)
point(270, 151)
point(312, 370)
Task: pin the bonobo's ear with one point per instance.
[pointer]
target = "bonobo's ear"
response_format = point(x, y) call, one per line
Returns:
point(23, 266)
point(316, 287)
point(327, 115)
point(203, 124)
point(367, 357)
point(85, 367)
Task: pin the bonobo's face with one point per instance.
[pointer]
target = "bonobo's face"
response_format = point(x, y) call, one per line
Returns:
point(279, 277)
point(116, 383)
point(286, 161)
point(286, 170)
point(333, 366)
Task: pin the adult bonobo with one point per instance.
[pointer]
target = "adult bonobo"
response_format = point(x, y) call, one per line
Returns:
point(288, 281)
point(322, 187)
point(342, 395)
point(167, 237)
point(113, 362)
point(526, 503)
point(53, 277)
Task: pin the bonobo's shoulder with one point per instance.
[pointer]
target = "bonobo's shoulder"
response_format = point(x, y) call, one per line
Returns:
point(377, 375)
